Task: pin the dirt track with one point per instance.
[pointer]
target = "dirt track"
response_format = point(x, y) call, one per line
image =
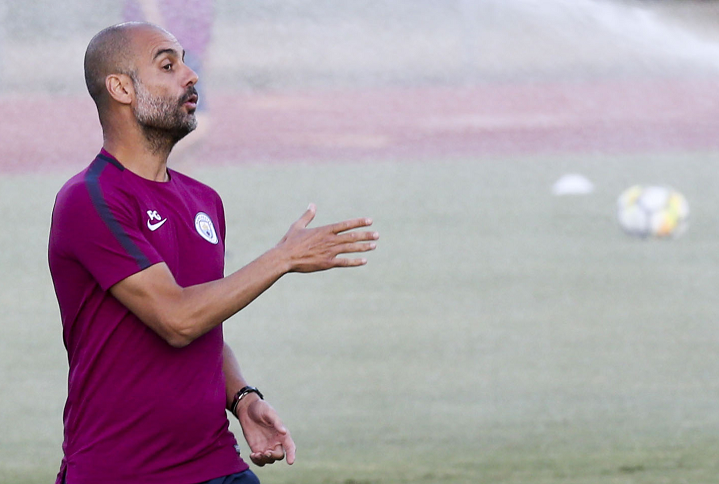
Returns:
point(490, 119)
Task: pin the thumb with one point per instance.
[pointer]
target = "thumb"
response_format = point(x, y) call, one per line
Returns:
point(308, 216)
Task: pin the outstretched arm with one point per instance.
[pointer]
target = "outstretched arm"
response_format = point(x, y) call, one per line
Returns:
point(267, 436)
point(182, 314)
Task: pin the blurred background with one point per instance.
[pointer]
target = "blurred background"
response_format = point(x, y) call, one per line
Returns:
point(373, 79)
point(503, 331)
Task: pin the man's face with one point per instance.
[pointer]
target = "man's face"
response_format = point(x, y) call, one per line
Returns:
point(165, 94)
point(166, 113)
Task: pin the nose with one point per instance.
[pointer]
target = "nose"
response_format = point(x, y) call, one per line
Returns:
point(192, 77)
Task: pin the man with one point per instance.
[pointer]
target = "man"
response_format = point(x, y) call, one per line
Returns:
point(137, 258)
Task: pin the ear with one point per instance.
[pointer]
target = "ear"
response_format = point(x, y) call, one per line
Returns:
point(120, 88)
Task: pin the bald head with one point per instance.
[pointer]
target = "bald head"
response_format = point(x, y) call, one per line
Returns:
point(112, 51)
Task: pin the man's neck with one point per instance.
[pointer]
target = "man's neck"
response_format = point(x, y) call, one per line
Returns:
point(140, 155)
point(140, 161)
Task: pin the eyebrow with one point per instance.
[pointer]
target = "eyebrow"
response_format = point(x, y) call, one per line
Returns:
point(168, 51)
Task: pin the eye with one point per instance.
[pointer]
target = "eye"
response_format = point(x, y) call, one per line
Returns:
point(167, 67)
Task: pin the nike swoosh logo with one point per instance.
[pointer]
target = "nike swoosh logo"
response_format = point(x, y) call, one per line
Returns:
point(156, 226)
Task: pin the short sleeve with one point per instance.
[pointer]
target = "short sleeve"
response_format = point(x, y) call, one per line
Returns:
point(99, 230)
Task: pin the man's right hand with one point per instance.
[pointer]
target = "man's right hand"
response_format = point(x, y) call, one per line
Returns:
point(316, 249)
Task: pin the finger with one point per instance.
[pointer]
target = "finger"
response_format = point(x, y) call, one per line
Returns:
point(355, 247)
point(290, 449)
point(273, 420)
point(346, 262)
point(307, 217)
point(357, 237)
point(263, 458)
point(350, 224)
point(257, 459)
point(271, 456)
point(268, 457)
point(277, 454)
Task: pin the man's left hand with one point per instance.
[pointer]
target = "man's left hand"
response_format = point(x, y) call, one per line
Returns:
point(267, 436)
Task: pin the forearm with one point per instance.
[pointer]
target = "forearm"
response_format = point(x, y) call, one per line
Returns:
point(202, 307)
point(181, 315)
point(234, 380)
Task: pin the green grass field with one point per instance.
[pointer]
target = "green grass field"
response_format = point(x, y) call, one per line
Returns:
point(498, 335)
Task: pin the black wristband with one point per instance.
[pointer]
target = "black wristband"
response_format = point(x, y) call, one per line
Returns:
point(244, 391)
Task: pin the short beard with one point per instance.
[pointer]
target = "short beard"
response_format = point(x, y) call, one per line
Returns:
point(162, 119)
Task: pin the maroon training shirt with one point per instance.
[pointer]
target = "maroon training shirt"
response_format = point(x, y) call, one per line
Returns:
point(138, 410)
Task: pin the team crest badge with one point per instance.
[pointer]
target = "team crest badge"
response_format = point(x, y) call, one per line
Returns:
point(203, 224)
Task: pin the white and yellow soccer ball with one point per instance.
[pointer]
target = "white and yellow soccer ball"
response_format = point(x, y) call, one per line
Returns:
point(652, 211)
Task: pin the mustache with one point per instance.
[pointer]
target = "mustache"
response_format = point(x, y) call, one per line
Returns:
point(189, 93)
